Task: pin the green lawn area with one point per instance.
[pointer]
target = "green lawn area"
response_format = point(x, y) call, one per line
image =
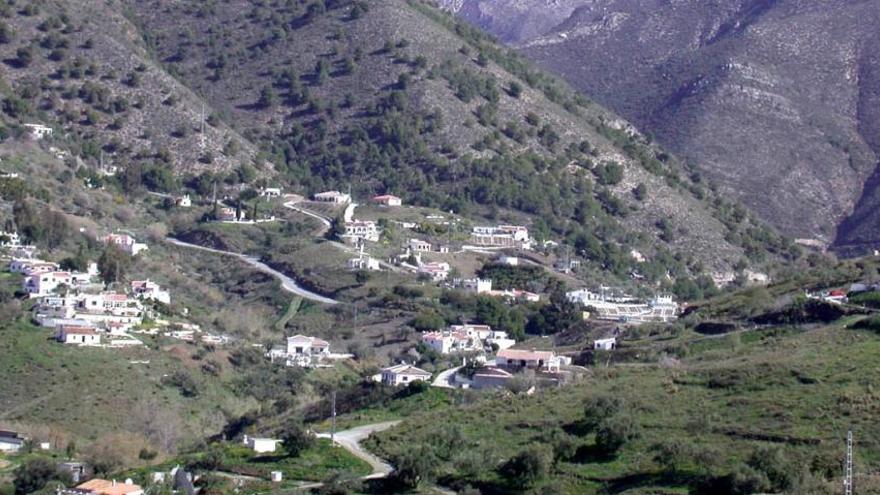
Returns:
point(316, 463)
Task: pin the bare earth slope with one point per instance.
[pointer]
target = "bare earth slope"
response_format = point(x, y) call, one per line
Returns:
point(774, 100)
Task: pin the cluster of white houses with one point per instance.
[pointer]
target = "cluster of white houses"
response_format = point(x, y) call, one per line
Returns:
point(42, 278)
point(467, 338)
point(545, 365)
point(76, 305)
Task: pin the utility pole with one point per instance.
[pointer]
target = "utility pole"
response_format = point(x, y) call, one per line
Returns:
point(202, 127)
point(333, 421)
point(848, 467)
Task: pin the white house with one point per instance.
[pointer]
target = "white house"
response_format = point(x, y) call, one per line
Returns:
point(148, 290)
point(334, 197)
point(363, 263)
point(478, 285)
point(125, 242)
point(436, 271)
point(515, 236)
point(302, 350)
point(605, 344)
point(261, 445)
point(307, 346)
point(519, 359)
point(270, 192)
point(419, 246)
point(361, 229)
point(39, 131)
point(10, 441)
point(387, 200)
point(451, 341)
point(78, 335)
point(403, 374)
point(184, 201)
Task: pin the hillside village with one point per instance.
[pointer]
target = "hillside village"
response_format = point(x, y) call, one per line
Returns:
point(356, 247)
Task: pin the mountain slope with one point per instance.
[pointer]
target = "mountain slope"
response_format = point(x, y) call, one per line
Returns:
point(395, 96)
point(81, 68)
point(384, 96)
point(772, 99)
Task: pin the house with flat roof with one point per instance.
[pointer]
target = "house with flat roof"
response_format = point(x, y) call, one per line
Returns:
point(334, 197)
point(387, 200)
point(78, 335)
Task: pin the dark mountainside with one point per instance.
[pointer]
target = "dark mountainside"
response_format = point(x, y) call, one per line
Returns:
point(776, 101)
point(397, 96)
point(382, 96)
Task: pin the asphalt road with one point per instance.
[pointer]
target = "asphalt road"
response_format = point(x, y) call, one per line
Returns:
point(287, 283)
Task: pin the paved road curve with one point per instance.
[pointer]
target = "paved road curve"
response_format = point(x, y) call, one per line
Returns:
point(287, 283)
point(351, 439)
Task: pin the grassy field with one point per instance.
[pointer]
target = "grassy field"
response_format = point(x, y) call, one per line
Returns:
point(314, 464)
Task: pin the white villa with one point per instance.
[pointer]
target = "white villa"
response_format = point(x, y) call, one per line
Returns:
point(419, 246)
point(466, 338)
point(302, 350)
point(363, 263)
point(537, 360)
point(436, 271)
point(334, 197)
point(148, 290)
point(184, 201)
point(361, 229)
point(514, 236)
point(403, 374)
point(125, 242)
point(658, 309)
point(605, 344)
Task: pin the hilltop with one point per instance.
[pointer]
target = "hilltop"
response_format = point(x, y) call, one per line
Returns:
point(773, 100)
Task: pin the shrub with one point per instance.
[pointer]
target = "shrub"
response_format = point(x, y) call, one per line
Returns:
point(296, 439)
point(614, 432)
point(35, 474)
point(529, 466)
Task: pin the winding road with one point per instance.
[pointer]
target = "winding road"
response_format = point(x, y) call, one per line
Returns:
point(287, 283)
point(351, 439)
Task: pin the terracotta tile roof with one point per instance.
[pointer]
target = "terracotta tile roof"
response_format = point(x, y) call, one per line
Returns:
point(105, 487)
